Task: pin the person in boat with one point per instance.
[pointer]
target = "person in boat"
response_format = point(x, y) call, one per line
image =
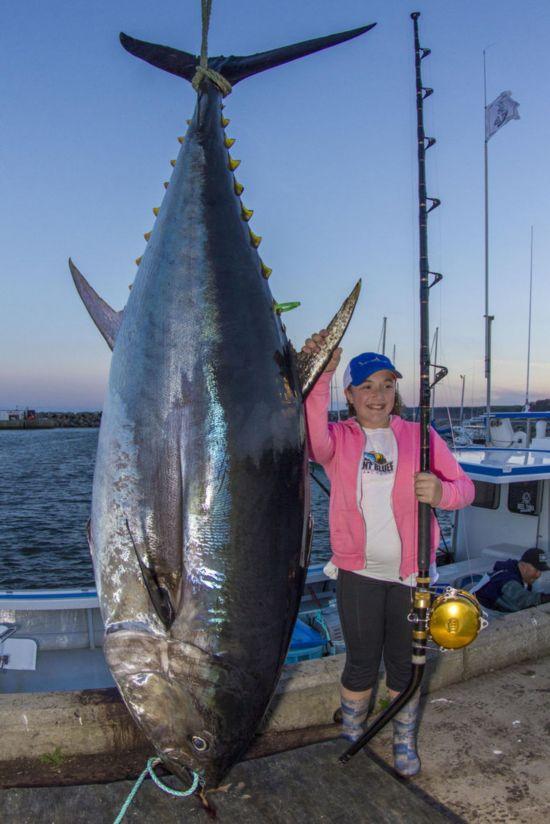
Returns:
point(508, 587)
point(372, 461)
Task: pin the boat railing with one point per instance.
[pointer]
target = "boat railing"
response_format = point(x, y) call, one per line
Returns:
point(53, 617)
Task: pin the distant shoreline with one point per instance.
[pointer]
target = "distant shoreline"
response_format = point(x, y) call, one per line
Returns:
point(56, 420)
point(81, 420)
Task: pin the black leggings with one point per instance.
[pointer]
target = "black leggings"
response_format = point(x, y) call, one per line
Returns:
point(374, 621)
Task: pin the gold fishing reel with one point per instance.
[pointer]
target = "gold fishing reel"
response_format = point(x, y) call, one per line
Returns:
point(456, 619)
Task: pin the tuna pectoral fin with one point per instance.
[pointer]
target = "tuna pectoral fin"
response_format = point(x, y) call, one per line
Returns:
point(183, 64)
point(105, 318)
point(310, 366)
point(159, 595)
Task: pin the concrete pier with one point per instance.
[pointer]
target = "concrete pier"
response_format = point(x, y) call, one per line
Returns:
point(90, 732)
point(484, 745)
point(304, 785)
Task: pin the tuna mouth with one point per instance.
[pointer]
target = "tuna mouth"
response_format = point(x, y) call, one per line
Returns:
point(201, 757)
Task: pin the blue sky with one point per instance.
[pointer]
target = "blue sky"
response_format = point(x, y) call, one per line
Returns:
point(328, 155)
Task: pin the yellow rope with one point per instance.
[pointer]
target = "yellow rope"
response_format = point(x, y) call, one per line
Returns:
point(203, 71)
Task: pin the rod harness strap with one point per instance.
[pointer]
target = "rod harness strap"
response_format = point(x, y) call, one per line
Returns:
point(203, 71)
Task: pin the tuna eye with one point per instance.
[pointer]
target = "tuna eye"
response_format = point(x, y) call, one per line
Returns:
point(199, 743)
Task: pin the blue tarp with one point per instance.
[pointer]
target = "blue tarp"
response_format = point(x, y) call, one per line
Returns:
point(304, 636)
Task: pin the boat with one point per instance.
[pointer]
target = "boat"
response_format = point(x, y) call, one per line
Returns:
point(51, 639)
point(510, 512)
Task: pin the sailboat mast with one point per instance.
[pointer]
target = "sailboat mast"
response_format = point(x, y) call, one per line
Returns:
point(463, 379)
point(529, 330)
point(435, 342)
point(488, 318)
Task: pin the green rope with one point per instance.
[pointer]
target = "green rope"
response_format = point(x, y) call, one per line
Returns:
point(153, 762)
point(202, 69)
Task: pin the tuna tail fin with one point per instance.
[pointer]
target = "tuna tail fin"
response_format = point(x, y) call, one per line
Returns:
point(106, 318)
point(310, 366)
point(183, 64)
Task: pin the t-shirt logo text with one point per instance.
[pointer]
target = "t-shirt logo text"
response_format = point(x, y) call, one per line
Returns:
point(376, 462)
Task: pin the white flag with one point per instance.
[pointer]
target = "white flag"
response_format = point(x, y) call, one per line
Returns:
point(499, 112)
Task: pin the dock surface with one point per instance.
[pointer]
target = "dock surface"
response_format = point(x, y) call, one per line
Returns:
point(484, 745)
point(303, 785)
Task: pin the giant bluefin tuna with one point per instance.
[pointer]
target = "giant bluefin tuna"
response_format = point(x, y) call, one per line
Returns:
point(200, 526)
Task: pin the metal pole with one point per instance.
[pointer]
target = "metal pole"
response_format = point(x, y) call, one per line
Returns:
point(529, 332)
point(463, 379)
point(487, 316)
point(434, 361)
point(384, 323)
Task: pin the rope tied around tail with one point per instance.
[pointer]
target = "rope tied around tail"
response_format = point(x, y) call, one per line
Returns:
point(203, 72)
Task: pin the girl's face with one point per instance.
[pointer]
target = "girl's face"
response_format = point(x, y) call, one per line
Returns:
point(373, 400)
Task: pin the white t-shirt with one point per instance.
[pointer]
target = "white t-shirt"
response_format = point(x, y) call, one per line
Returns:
point(374, 490)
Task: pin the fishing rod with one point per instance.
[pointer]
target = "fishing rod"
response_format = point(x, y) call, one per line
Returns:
point(422, 596)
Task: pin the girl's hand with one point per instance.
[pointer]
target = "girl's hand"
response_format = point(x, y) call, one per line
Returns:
point(428, 488)
point(313, 345)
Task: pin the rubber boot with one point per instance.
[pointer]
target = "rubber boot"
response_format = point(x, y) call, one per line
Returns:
point(354, 715)
point(405, 727)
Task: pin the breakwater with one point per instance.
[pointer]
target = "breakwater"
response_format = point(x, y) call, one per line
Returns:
point(55, 420)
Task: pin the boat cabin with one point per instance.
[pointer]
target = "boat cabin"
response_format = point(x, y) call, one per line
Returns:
point(510, 512)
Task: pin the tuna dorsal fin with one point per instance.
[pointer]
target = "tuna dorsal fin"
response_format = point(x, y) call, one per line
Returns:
point(106, 318)
point(311, 366)
point(183, 64)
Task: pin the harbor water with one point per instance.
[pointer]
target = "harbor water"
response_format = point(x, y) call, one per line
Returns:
point(45, 493)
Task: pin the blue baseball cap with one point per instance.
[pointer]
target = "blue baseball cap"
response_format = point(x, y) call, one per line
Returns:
point(363, 366)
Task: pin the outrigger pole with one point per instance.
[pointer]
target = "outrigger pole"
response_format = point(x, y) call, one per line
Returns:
point(422, 595)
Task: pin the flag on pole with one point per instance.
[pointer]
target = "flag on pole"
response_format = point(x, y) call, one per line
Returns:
point(499, 112)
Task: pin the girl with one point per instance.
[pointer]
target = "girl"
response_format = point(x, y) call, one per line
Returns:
point(372, 461)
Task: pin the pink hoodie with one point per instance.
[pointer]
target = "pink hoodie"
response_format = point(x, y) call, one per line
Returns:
point(338, 447)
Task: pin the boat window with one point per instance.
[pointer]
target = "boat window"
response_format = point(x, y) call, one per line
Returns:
point(487, 495)
point(524, 498)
